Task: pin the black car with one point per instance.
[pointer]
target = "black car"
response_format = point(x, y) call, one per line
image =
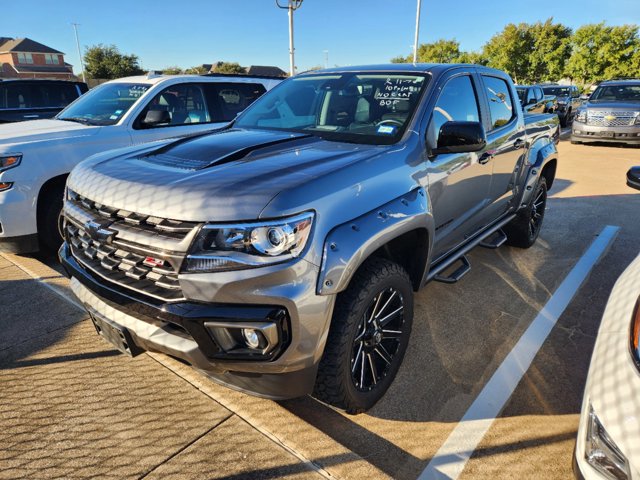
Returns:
point(568, 101)
point(35, 99)
point(533, 99)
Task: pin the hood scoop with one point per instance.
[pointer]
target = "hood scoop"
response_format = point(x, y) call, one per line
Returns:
point(204, 151)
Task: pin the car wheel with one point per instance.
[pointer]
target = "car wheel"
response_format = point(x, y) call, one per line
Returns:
point(368, 337)
point(523, 230)
point(50, 220)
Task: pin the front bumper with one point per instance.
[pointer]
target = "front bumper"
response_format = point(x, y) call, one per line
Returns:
point(581, 132)
point(18, 228)
point(177, 329)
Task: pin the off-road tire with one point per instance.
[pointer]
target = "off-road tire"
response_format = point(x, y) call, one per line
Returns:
point(334, 383)
point(519, 231)
point(49, 220)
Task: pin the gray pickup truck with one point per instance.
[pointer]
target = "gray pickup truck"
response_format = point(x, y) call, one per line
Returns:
point(280, 256)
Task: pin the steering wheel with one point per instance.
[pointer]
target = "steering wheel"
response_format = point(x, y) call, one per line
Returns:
point(392, 121)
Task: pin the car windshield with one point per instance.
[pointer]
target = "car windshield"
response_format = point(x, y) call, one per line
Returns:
point(350, 107)
point(104, 105)
point(522, 92)
point(557, 91)
point(616, 93)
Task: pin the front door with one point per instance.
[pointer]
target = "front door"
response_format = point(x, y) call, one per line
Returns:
point(458, 182)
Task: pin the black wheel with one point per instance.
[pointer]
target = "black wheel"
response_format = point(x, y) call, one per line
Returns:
point(368, 337)
point(50, 220)
point(523, 230)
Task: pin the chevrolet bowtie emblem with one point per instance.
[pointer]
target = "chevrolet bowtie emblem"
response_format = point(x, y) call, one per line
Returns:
point(608, 118)
point(99, 231)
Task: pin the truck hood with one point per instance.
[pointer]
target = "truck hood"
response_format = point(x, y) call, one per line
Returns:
point(608, 106)
point(39, 130)
point(225, 176)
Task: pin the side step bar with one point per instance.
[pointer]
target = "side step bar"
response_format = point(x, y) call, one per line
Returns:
point(445, 263)
point(456, 275)
point(495, 240)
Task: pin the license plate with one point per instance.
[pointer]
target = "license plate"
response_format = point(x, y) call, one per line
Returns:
point(116, 335)
point(608, 134)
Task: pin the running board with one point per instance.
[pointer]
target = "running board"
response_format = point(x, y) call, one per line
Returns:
point(495, 240)
point(459, 272)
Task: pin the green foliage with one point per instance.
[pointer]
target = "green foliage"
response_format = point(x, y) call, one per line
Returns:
point(105, 61)
point(197, 70)
point(442, 51)
point(550, 52)
point(229, 67)
point(172, 70)
point(509, 51)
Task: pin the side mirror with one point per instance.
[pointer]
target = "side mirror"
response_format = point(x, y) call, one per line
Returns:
point(633, 178)
point(460, 137)
point(154, 118)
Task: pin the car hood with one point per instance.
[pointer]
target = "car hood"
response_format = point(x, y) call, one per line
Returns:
point(225, 176)
point(40, 130)
point(608, 106)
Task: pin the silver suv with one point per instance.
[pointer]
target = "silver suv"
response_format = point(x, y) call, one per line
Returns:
point(612, 114)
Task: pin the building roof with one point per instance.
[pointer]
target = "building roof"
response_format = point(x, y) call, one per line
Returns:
point(42, 69)
point(24, 45)
point(265, 70)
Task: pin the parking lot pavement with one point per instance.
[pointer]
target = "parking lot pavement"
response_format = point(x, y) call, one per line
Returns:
point(155, 414)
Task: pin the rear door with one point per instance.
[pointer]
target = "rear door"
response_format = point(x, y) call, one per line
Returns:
point(458, 182)
point(505, 142)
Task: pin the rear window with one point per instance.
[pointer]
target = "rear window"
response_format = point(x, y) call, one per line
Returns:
point(227, 100)
point(500, 101)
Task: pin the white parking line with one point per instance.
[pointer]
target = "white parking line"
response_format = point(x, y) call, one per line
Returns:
point(451, 458)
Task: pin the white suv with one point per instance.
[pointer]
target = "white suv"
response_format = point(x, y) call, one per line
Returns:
point(36, 156)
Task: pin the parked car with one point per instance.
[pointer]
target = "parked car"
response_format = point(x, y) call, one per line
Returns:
point(608, 443)
point(22, 100)
point(281, 254)
point(36, 156)
point(568, 98)
point(612, 114)
point(533, 99)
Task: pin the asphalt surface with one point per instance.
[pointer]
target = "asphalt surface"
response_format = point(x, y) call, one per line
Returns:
point(71, 407)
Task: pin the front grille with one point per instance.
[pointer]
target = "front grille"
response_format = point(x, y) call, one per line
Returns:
point(611, 119)
point(139, 252)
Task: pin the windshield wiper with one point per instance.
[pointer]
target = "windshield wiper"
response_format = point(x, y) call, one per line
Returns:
point(83, 121)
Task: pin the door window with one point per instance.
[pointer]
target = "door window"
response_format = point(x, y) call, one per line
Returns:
point(500, 101)
point(185, 104)
point(58, 95)
point(227, 100)
point(457, 102)
point(19, 96)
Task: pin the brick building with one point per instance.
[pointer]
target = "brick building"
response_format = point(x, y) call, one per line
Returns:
point(26, 58)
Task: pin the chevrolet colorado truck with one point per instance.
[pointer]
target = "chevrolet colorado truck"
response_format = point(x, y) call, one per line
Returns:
point(280, 255)
point(37, 155)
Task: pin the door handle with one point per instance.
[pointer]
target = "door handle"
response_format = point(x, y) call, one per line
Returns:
point(486, 157)
point(519, 143)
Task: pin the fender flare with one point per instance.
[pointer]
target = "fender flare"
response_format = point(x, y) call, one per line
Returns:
point(348, 245)
point(540, 154)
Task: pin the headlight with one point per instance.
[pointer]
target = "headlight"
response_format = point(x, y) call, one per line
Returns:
point(602, 453)
point(581, 116)
point(635, 334)
point(10, 161)
point(220, 247)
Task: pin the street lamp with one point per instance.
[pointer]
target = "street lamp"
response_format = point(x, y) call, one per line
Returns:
point(415, 42)
point(75, 28)
point(291, 5)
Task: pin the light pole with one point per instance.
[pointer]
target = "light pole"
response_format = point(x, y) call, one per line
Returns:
point(292, 5)
point(326, 58)
point(415, 41)
point(75, 28)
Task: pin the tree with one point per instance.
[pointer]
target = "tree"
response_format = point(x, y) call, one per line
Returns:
point(105, 61)
point(551, 51)
point(440, 51)
point(228, 67)
point(600, 52)
point(509, 51)
point(197, 70)
point(172, 70)
point(472, 57)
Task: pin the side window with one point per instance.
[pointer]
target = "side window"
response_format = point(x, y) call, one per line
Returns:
point(19, 96)
point(500, 101)
point(59, 95)
point(3, 97)
point(531, 96)
point(457, 102)
point(185, 104)
point(539, 94)
point(227, 100)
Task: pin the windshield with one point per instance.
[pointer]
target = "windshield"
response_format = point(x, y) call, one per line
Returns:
point(557, 91)
point(104, 105)
point(616, 93)
point(522, 92)
point(349, 107)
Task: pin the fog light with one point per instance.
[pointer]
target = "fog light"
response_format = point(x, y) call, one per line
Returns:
point(251, 337)
point(602, 453)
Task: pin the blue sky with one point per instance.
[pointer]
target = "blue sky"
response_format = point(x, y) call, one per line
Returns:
point(192, 32)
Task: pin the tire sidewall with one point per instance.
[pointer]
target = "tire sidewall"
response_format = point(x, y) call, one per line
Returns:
point(542, 184)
